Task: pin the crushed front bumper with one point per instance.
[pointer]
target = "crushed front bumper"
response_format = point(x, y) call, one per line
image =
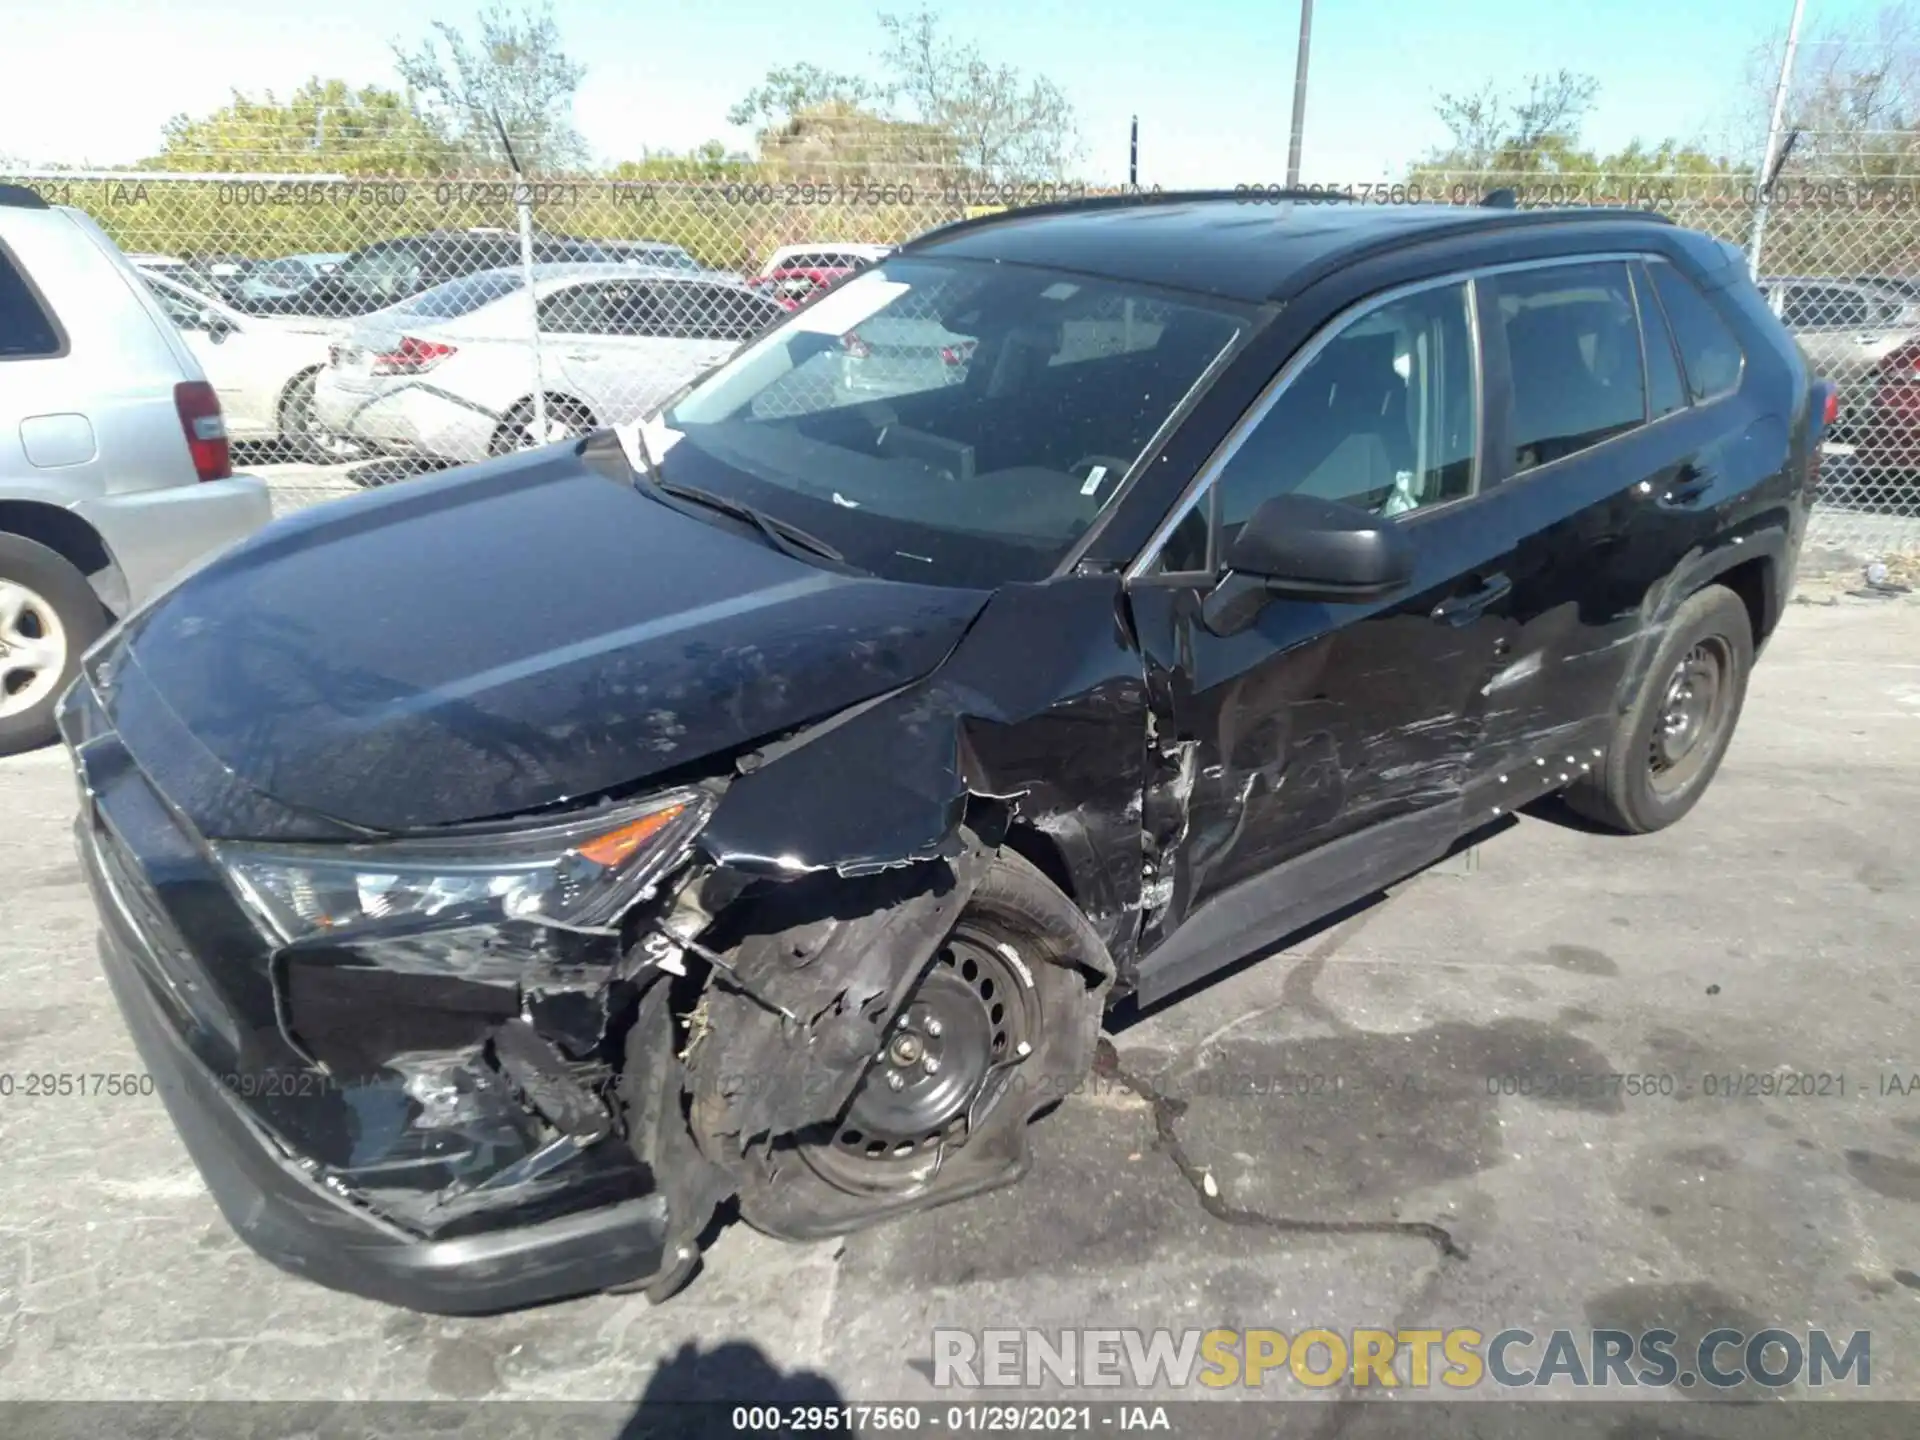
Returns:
point(304, 1228)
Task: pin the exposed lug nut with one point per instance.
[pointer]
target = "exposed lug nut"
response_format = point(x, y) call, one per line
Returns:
point(934, 1027)
point(1596, 754)
point(1540, 762)
point(1496, 809)
point(1570, 760)
point(1503, 779)
point(931, 1064)
point(895, 1081)
point(1585, 766)
point(1023, 1049)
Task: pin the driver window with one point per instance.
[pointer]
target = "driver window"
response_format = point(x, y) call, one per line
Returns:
point(1384, 417)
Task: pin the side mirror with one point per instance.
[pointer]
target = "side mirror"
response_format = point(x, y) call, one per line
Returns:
point(1297, 547)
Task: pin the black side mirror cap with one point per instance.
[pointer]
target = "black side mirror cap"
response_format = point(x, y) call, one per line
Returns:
point(1300, 548)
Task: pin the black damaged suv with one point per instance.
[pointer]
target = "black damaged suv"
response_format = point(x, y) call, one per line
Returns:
point(500, 871)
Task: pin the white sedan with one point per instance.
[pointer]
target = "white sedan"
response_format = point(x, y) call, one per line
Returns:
point(262, 367)
point(451, 373)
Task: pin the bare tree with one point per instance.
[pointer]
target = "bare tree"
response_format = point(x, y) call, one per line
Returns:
point(1493, 131)
point(1009, 125)
point(514, 67)
point(1854, 99)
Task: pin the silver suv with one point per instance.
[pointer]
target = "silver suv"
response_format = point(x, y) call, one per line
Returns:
point(114, 470)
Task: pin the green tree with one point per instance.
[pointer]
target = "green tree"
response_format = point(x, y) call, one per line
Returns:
point(709, 161)
point(515, 68)
point(795, 89)
point(325, 125)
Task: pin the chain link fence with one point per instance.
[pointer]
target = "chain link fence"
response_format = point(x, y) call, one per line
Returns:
point(380, 325)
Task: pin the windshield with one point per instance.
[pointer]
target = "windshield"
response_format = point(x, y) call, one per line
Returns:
point(947, 422)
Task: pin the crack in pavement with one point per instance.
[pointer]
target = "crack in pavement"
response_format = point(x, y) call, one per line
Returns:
point(1168, 1109)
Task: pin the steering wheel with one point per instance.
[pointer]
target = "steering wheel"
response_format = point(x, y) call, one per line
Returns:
point(1083, 468)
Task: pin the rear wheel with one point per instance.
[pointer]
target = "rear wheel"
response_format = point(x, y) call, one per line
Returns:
point(301, 431)
point(49, 615)
point(1668, 746)
point(566, 420)
point(1002, 1022)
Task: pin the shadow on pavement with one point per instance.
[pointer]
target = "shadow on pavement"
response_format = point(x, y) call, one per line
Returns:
point(693, 1393)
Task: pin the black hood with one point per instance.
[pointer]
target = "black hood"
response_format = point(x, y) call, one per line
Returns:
point(514, 635)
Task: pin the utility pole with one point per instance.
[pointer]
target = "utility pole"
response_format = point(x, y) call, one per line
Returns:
point(1299, 94)
point(1763, 190)
point(1133, 157)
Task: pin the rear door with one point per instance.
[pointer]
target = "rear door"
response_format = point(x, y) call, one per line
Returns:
point(1616, 466)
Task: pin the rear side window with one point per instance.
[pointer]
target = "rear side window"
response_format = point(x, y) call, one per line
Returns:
point(463, 297)
point(1573, 341)
point(27, 331)
point(1709, 353)
point(1666, 391)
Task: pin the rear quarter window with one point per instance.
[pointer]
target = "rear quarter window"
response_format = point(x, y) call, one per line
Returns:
point(1709, 353)
point(27, 327)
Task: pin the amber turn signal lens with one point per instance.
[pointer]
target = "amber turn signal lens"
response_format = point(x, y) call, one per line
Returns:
point(616, 846)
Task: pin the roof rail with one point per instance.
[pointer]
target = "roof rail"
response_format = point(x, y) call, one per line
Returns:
point(1256, 195)
point(22, 197)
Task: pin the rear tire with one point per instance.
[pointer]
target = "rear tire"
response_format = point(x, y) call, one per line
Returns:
point(1668, 746)
point(898, 1149)
point(566, 420)
point(49, 615)
point(302, 435)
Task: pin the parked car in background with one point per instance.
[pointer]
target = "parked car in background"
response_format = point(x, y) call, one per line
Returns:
point(828, 255)
point(1846, 328)
point(794, 272)
point(743, 808)
point(385, 273)
point(1886, 433)
point(451, 373)
point(263, 368)
point(219, 276)
point(287, 276)
point(114, 469)
point(1907, 286)
point(654, 254)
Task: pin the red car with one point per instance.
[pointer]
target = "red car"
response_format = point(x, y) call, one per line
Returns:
point(790, 286)
point(1887, 444)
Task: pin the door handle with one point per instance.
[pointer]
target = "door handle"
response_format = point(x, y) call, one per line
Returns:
point(1868, 339)
point(1460, 609)
point(1692, 483)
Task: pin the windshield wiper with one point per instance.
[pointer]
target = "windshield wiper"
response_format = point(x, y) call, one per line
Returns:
point(785, 537)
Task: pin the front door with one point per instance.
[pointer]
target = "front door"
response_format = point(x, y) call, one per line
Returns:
point(1322, 728)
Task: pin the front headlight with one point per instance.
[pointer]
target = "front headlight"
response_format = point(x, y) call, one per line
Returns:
point(582, 872)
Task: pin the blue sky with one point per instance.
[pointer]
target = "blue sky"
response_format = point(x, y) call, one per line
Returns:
point(1211, 80)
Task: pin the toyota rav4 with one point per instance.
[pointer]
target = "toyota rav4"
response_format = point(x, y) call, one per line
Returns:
point(503, 870)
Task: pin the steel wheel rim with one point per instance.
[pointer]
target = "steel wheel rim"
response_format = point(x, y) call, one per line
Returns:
point(1692, 713)
point(970, 1014)
point(33, 649)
